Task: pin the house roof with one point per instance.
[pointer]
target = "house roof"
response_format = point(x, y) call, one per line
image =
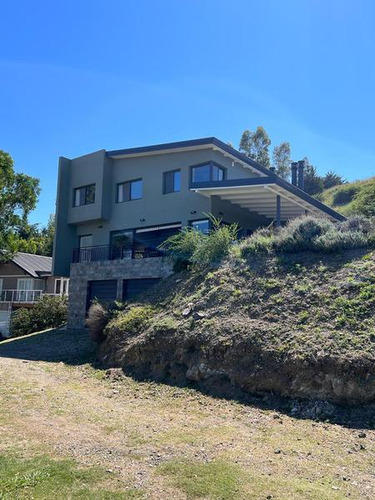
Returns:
point(308, 201)
point(35, 265)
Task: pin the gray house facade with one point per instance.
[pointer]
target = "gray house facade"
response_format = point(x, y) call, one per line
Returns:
point(114, 208)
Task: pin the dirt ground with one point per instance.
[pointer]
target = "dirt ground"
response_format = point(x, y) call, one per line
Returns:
point(53, 400)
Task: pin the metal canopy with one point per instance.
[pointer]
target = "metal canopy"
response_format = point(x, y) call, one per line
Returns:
point(262, 198)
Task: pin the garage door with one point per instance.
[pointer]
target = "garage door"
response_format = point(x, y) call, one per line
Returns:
point(4, 323)
point(133, 288)
point(101, 290)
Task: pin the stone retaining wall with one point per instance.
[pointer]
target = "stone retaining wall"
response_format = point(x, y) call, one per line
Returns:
point(83, 272)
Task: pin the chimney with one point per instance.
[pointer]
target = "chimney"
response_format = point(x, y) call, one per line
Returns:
point(294, 173)
point(301, 180)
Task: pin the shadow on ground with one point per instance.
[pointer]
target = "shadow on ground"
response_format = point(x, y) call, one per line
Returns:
point(68, 346)
point(76, 348)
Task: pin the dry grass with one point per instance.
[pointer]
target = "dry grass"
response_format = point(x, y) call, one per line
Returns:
point(162, 442)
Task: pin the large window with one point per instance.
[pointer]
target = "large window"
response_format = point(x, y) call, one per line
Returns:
point(172, 182)
point(130, 190)
point(84, 195)
point(202, 225)
point(207, 172)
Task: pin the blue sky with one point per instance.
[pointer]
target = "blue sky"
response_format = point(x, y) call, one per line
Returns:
point(86, 75)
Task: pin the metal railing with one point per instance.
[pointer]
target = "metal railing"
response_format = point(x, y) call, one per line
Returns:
point(20, 295)
point(106, 252)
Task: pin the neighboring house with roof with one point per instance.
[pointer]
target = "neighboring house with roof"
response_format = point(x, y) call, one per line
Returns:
point(23, 281)
point(114, 208)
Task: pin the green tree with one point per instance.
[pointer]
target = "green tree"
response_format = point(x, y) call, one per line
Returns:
point(332, 179)
point(313, 182)
point(281, 160)
point(255, 145)
point(18, 196)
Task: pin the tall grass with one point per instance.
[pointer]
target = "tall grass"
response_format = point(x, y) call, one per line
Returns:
point(194, 247)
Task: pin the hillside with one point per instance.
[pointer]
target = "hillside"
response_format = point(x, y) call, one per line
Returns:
point(352, 198)
point(299, 325)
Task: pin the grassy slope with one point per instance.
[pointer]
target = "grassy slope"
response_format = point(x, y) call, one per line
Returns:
point(348, 208)
point(78, 432)
point(299, 305)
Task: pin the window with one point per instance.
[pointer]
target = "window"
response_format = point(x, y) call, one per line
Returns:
point(61, 286)
point(85, 241)
point(201, 225)
point(25, 284)
point(207, 172)
point(131, 190)
point(172, 182)
point(84, 195)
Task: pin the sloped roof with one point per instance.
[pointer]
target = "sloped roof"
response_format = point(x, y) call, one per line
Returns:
point(35, 265)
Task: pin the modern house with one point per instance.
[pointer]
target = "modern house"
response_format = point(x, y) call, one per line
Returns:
point(114, 208)
point(24, 279)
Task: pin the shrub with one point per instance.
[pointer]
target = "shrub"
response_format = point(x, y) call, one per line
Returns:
point(344, 195)
point(132, 321)
point(299, 234)
point(193, 246)
point(97, 319)
point(48, 312)
point(182, 246)
point(260, 241)
point(336, 241)
point(314, 234)
point(364, 202)
point(216, 245)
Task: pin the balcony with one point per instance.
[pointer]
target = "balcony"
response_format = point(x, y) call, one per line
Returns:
point(21, 296)
point(106, 252)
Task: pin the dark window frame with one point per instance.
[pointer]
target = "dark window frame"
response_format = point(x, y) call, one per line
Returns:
point(212, 164)
point(129, 183)
point(165, 178)
point(85, 195)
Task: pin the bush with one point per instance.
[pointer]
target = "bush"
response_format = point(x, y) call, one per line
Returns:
point(97, 319)
point(131, 321)
point(299, 234)
point(313, 234)
point(364, 202)
point(49, 312)
point(344, 195)
point(260, 241)
point(195, 247)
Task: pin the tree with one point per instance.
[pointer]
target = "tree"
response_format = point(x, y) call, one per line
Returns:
point(255, 145)
point(281, 160)
point(312, 181)
point(332, 179)
point(30, 239)
point(18, 196)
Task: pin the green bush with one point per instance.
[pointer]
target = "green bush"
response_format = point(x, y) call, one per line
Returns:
point(313, 234)
point(299, 234)
point(195, 247)
point(131, 321)
point(364, 201)
point(344, 195)
point(49, 312)
point(261, 241)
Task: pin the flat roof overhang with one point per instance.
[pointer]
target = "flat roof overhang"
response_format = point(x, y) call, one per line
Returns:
point(260, 195)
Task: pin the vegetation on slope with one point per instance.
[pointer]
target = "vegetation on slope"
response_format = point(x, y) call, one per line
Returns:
point(264, 320)
point(352, 198)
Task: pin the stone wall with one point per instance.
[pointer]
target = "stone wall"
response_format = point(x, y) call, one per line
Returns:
point(83, 272)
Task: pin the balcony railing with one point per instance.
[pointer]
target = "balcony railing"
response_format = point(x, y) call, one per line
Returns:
point(18, 296)
point(106, 252)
